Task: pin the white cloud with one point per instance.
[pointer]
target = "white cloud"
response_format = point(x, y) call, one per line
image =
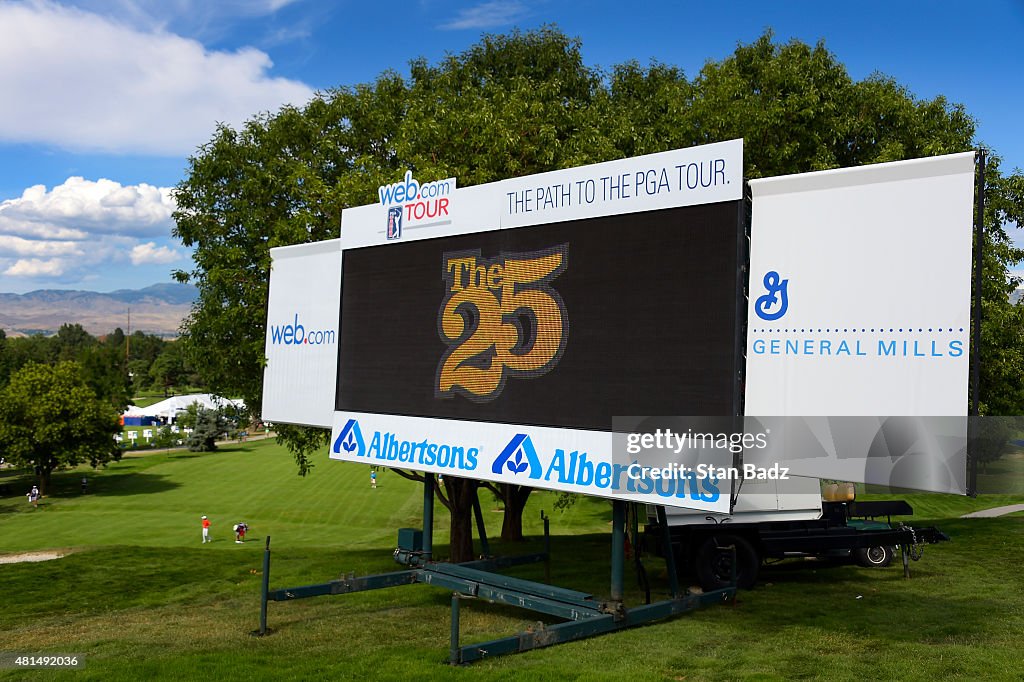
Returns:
point(151, 253)
point(79, 207)
point(68, 233)
point(81, 81)
point(35, 267)
point(488, 15)
point(18, 247)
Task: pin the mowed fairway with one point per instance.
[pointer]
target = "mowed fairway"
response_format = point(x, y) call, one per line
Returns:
point(141, 598)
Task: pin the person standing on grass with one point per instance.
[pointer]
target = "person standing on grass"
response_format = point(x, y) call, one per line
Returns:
point(33, 496)
point(373, 480)
point(206, 530)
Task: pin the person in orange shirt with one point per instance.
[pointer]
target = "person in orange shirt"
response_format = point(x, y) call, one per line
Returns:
point(206, 530)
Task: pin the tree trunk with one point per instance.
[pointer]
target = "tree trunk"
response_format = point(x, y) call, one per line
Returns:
point(44, 480)
point(514, 497)
point(461, 492)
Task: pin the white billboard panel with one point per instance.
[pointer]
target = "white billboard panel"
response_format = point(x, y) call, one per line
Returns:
point(860, 283)
point(302, 334)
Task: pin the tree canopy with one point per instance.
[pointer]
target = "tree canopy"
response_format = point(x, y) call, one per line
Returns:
point(50, 419)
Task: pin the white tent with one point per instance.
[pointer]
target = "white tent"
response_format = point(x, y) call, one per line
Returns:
point(170, 409)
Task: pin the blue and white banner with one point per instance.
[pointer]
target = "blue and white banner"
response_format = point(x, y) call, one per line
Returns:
point(554, 459)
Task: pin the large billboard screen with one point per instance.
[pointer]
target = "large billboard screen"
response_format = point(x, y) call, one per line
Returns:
point(494, 331)
point(565, 324)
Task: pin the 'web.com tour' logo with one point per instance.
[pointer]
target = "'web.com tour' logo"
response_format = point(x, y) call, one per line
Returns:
point(414, 203)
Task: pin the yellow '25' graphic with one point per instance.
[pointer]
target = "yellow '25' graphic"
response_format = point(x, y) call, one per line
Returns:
point(500, 318)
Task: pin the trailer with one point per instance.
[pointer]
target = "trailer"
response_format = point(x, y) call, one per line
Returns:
point(777, 520)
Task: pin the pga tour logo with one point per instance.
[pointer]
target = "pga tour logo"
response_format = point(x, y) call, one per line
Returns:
point(394, 222)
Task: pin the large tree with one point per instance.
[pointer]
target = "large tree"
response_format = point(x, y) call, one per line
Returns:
point(526, 103)
point(50, 419)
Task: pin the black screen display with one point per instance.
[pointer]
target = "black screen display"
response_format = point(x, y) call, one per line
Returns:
point(566, 324)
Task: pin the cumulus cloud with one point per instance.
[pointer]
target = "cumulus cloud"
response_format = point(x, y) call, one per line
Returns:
point(79, 207)
point(66, 233)
point(487, 15)
point(118, 88)
point(36, 267)
point(151, 253)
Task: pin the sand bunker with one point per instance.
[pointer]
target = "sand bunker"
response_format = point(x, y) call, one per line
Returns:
point(29, 556)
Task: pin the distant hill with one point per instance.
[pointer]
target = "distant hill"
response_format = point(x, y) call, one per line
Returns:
point(157, 310)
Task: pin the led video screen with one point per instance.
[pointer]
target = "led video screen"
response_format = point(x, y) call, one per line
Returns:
point(566, 324)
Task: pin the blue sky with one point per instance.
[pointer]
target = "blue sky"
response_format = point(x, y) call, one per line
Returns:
point(102, 101)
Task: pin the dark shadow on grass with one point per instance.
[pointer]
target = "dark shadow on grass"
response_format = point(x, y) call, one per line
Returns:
point(68, 485)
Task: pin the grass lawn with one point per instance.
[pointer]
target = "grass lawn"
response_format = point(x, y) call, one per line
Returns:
point(140, 596)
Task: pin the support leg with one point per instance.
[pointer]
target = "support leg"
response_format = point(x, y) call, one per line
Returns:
point(428, 516)
point(265, 589)
point(618, 547)
point(454, 651)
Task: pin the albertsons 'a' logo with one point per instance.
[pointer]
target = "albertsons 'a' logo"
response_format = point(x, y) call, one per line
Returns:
point(350, 439)
point(775, 302)
point(518, 456)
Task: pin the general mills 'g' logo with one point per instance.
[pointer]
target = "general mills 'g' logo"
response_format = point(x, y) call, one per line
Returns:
point(500, 318)
point(350, 439)
point(773, 304)
point(518, 456)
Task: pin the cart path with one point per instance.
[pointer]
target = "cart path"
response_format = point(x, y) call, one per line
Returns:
point(994, 511)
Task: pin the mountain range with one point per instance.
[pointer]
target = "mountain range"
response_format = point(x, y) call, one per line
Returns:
point(158, 309)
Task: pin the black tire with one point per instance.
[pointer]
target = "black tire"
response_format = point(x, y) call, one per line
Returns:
point(874, 557)
point(713, 563)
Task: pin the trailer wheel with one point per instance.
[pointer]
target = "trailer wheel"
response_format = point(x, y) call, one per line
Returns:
point(713, 563)
point(875, 557)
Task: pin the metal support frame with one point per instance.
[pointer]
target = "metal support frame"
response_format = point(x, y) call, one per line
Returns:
point(584, 615)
